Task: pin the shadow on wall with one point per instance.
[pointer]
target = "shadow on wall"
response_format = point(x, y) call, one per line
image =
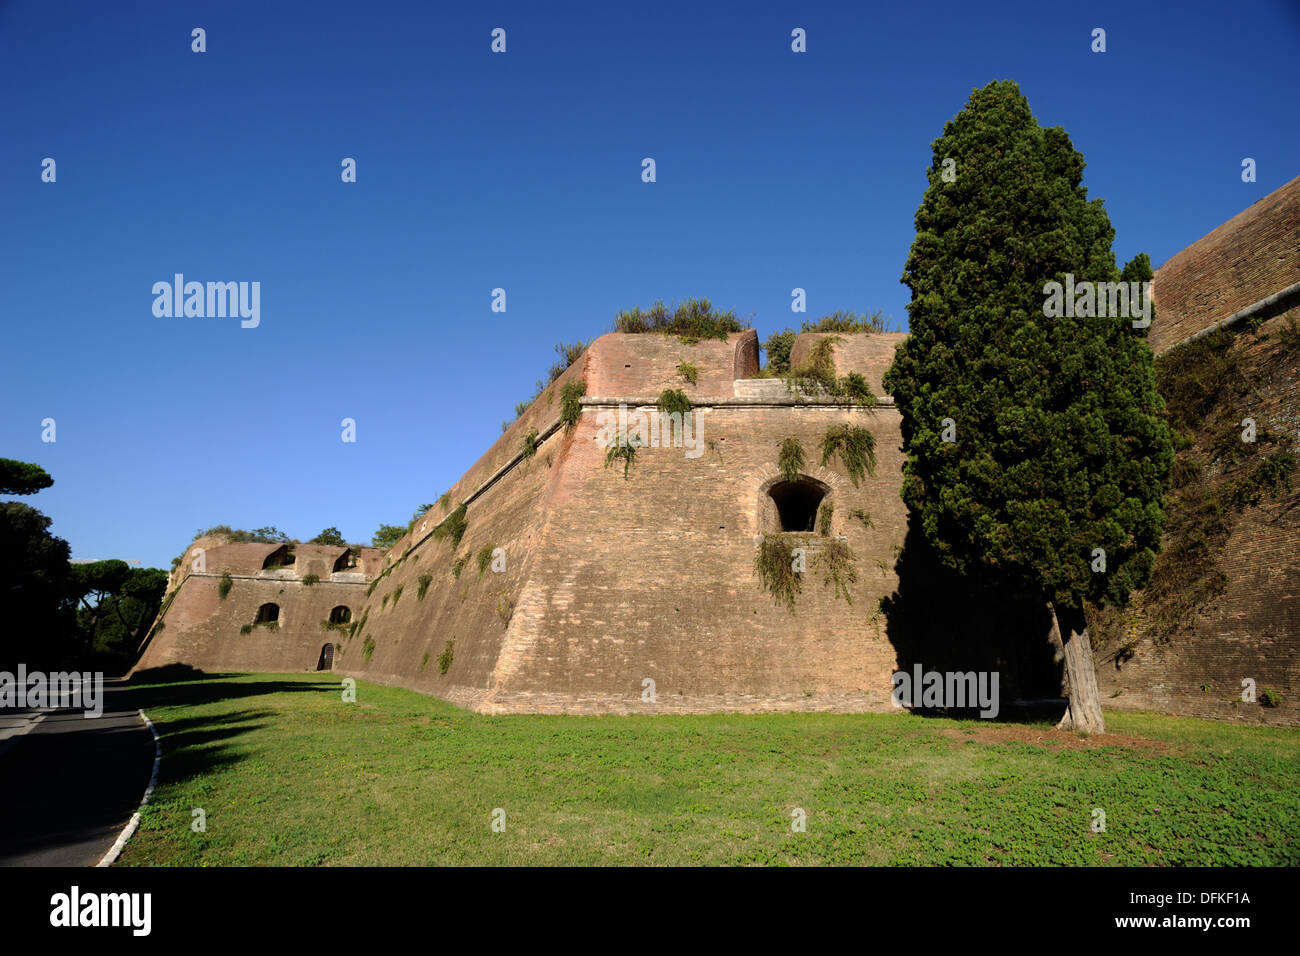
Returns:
point(946, 623)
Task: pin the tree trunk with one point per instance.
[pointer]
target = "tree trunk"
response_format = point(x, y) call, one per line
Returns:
point(1084, 710)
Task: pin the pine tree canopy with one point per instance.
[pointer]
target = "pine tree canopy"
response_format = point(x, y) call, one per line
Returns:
point(1058, 444)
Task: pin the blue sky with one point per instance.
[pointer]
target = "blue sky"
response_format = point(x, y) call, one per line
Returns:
point(520, 171)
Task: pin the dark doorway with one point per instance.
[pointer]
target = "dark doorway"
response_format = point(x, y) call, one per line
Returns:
point(326, 661)
point(797, 502)
point(341, 615)
point(267, 613)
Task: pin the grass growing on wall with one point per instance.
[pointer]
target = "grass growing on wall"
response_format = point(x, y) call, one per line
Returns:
point(1206, 384)
point(623, 452)
point(790, 459)
point(529, 448)
point(458, 566)
point(692, 321)
point(310, 579)
point(836, 561)
point(405, 779)
point(484, 558)
point(368, 649)
point(816, 376)
point(447, 656)
point(689, 371)
point(856, 447)
point(674, 401)
point(571, 403)
point(774, 564)
point(397, 593)
point(424, 581)
point(453, 527)
point(224, 586)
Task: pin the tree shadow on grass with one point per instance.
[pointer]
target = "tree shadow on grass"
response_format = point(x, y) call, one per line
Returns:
point(184, 686)
point(947, 623)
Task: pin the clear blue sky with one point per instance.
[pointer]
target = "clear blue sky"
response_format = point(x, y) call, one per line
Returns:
point(522, 170)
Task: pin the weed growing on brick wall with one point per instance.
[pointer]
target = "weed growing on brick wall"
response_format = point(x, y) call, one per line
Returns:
point(621, 452)
point(458, 566)
point(246, 629)
point(674, 400)
point(484, 558)
point(445, 658)
point(1216, 476)
point(571, 403)
point(423, 589)
point(836, 560)
point(224, 586)
point(529, 448)
point(424, 662)
point(688, 371)
point(384, 603)
point(790, 459)
point(842, 321)
point(505, 610)
point(824, 520)
point(816, 376)
point(444, 500)
point(1270, 697)
point(310, 579)
point(778, 347)
point(691, 321)
point(397, 593)
point(862, 516)
point(453, 527)
point(775, 566)
point(368, 649)
point(856, 447)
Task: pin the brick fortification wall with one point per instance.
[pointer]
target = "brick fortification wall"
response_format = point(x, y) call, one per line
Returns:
point(1252, 628)
point(610, 581)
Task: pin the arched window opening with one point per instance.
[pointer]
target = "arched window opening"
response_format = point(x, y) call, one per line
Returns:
point(797, 503)
point(341, 615)
point(267, 613)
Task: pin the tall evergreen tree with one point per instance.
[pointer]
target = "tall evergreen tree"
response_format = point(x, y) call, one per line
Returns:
point(1037, 450)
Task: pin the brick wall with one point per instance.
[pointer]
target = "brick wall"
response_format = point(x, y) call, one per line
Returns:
point(1249, 257)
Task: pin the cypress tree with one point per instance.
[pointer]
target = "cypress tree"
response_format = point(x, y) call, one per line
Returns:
point(1037, 450)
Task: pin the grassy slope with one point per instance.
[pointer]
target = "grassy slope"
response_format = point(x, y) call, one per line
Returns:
point(289, 774)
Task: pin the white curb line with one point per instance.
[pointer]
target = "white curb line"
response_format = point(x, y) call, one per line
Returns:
point(115, 850)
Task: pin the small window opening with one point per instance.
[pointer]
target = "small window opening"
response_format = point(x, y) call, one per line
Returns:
point(796, 504)
point(267, 613)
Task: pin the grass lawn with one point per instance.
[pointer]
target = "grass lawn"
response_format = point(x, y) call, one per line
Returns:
point(288, 774)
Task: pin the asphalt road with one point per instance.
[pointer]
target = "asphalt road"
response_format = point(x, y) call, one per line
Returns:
point(70, 784)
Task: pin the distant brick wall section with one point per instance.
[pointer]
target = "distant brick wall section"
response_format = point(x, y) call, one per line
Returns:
point(201, 629)
point(645, 364)
point(1248, 258)
point(871, 354)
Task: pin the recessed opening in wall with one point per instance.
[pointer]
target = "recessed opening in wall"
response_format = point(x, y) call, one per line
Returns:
point(281, 557)
point(797, 503)
point(341, 615)
point(267, 613)
point(346, 560)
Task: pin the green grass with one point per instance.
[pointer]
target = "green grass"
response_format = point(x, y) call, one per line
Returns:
point(289, 774)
